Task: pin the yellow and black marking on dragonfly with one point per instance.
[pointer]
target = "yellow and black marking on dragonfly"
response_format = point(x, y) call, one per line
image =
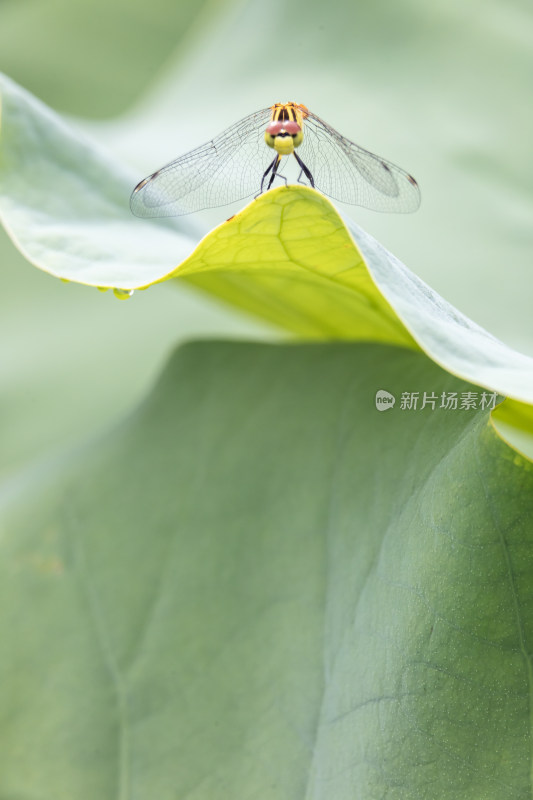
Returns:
point(238, 164)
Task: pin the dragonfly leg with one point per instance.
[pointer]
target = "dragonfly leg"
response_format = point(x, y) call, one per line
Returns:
point(279, 175)
point(265, 173)
point(283, 178)
point(275, 166)
point(305, 171)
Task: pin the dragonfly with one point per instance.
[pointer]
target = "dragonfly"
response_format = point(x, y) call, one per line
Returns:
point(240, 162)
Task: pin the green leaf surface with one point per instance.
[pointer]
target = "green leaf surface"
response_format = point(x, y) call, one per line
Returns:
point(197, 608)
point(514, 421)
point(290, 258)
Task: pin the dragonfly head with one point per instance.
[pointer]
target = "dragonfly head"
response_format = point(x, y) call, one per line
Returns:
point(284, 136)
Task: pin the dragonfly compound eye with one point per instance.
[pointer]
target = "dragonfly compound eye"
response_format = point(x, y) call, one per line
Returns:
point(291, 127)
point(273, 128)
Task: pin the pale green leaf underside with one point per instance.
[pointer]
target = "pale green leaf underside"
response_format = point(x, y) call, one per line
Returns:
point(195, 608)
point(65, 202)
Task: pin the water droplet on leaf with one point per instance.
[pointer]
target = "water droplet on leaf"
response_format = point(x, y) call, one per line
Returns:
point(123, 294)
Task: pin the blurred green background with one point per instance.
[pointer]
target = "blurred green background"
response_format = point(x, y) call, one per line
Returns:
point(442, 89)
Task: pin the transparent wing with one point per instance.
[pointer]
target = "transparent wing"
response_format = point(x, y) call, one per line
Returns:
point(346, 172)
point(226, 169)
